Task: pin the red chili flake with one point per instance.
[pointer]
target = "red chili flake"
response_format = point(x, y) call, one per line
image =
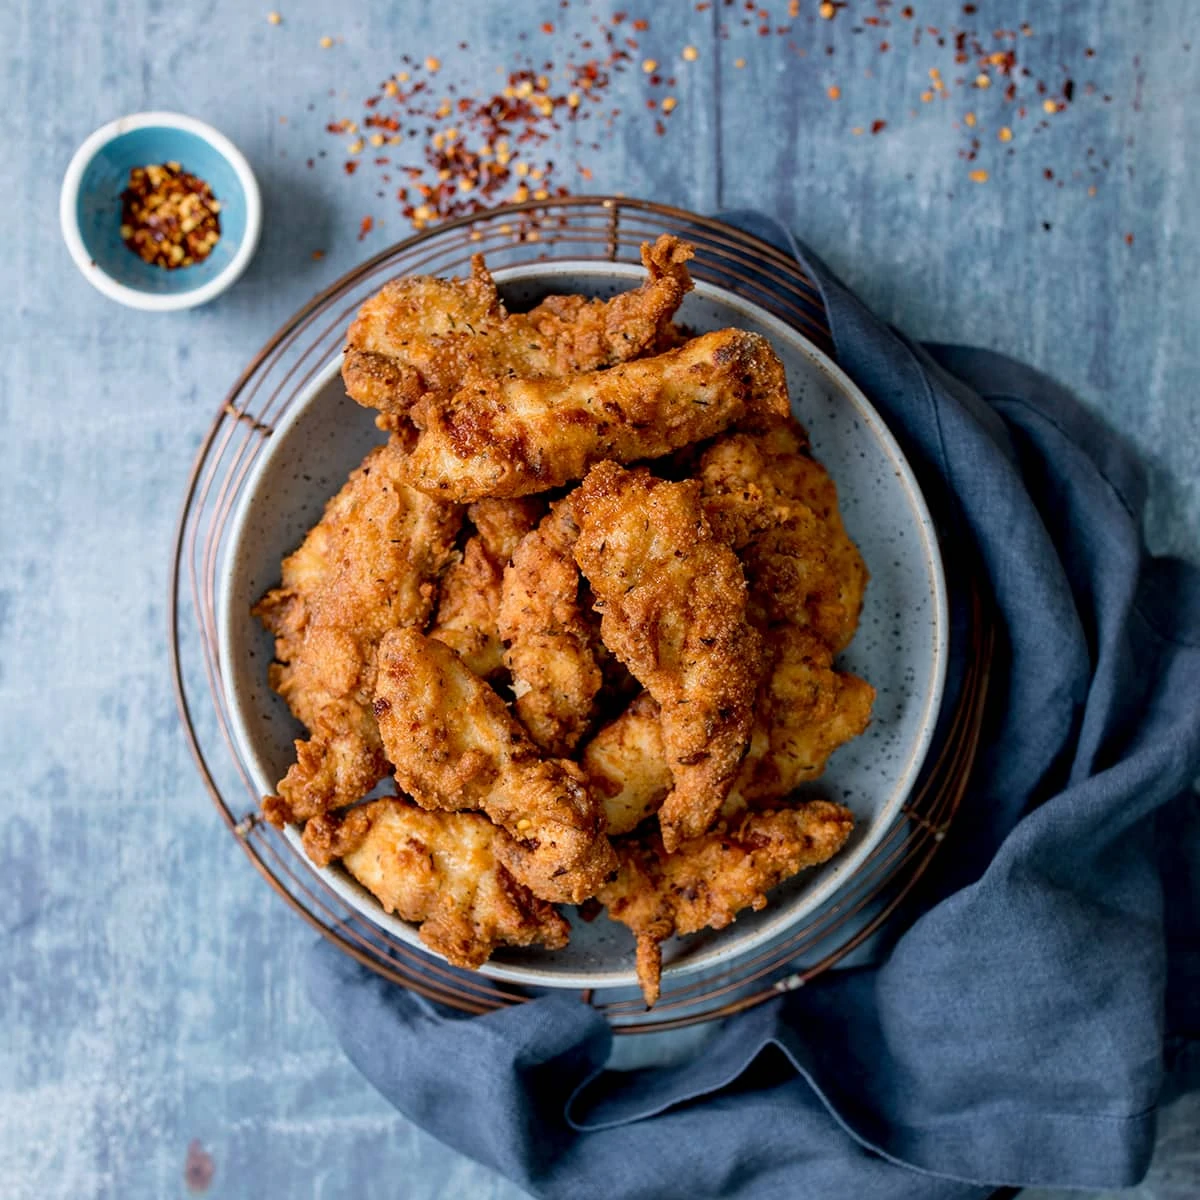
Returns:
point(878, 126)
point(318, 255)
point(968, 9)
point(198, 1168)
point(350, 166)
point(547, 26)
point(1129, 239)
point(906, 12)
point(641, 25)
point(365, 227)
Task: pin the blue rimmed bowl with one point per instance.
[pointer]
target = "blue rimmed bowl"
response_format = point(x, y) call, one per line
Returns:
point(90, 209)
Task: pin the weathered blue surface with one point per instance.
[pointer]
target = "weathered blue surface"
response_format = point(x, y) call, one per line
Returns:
point(149, 992)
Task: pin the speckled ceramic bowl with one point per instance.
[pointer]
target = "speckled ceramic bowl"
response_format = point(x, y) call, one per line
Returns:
point(900, 647)
point(90, 209)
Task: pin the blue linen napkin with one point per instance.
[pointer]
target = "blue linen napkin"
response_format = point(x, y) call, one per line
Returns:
point(1026, 1024)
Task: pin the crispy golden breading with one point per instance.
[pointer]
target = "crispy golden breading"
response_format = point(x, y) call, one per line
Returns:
point(455, 745)
point(626, 766)
point(514, 436)
point(504, 524)
point(707, 881)
point(420, 335)
point(469, 596)
point(777, 507)
point(673, 609)
point(369, 565)
point(550, 636)
point(440, 871)
point(805, 710)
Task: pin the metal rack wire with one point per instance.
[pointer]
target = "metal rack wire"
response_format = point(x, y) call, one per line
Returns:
point(582, 228)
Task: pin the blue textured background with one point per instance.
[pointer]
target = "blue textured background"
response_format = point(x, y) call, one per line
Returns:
point(149, 989)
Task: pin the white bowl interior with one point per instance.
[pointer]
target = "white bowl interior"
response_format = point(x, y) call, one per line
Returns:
point(900, 647)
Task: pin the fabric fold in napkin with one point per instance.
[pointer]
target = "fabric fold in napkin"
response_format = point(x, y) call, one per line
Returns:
point(1024, 1026)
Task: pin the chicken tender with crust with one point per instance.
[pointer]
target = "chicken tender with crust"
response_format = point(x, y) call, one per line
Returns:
point(766, 495)
point(673, 602)
point(626, 766)
point(550, 636)
point(440, 871)
point(469, 596)
point(421, 336)
point(454, 745)
point(804, 712)
point(515, 436)
point(707, 881)
point(369, 565)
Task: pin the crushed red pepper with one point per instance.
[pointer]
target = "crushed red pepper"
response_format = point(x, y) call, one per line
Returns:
point(169, 218)
point(458, 153)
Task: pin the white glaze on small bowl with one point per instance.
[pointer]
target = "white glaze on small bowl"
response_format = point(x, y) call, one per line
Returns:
point(900, 648)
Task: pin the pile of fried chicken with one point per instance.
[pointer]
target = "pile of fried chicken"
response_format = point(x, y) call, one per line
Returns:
point(583, 605)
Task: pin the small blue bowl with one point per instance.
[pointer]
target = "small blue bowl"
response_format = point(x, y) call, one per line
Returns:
point(90, 209)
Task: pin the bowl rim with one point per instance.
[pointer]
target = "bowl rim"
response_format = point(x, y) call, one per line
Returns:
point(68, 206)
point(836, 874)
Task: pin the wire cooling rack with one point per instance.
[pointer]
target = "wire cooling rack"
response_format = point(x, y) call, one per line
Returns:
point(601, 229)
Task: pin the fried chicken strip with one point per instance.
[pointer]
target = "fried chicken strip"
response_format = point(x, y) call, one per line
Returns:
point(551, 638)
point(422, 335)
point(804, 712)
point(469, 596)
point(673, 609)
point(370, 564)
point(707, 881)
point(454, 745)
point(766, 495)
point(512, 436)
point(439, 870)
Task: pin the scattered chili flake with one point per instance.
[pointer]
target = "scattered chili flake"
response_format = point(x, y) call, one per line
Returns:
point(365, 227)
point(433, 65)
point(1050, 106)
point(318, 255)
point(690, 53)
point(1129, 239)
point(970, 120)
point(1005, 134)
point(274, 18)
point(878, 126)
point(669, 103)
point(169, 218)
point(547, 26)
point(325, 43)
point(983, 81)
point(979, 176)
point(834, 92)
point(827, 11)
point(739, 63)
point(649, 65)
point(198, 1168)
